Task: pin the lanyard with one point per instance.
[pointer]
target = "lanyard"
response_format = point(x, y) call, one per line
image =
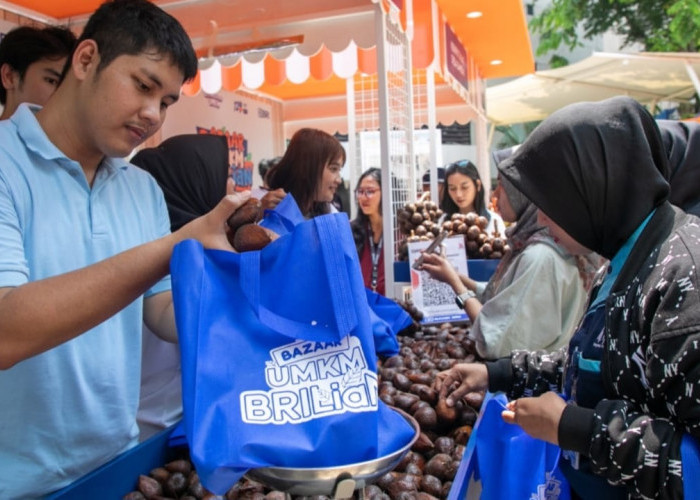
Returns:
point(375, 251)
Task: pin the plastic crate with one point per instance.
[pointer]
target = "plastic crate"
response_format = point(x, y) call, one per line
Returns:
point(115, 479)
point(118, 477)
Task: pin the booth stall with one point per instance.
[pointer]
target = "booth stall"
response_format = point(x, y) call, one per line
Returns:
point(356, 67)
point(376, 70)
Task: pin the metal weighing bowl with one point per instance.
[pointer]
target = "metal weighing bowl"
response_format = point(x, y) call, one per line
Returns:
point(323, 480)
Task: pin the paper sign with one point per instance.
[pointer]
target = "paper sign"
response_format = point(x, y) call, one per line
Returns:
point(434, 298)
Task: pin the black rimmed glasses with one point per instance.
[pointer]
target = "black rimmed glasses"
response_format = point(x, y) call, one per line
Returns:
point(366, 192)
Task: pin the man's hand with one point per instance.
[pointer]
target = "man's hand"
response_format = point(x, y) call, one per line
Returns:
point(539, 417)
point(460, 380)
point(211, 229)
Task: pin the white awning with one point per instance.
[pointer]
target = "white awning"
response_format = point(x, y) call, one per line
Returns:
point(649, 77)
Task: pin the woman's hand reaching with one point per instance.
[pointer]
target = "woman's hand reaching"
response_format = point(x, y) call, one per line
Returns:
point(272, 198)
point(460, 380)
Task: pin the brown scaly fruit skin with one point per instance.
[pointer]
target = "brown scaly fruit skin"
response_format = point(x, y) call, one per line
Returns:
point(244, 234)
point(248, 213)
point(250, 237)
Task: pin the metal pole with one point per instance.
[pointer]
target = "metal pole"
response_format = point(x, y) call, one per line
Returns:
point(693, 77)
point(383, 94)
point(353, 162)
point(430, 91)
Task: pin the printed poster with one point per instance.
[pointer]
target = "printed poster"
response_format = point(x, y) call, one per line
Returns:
point(434, 298)
point(246, 123)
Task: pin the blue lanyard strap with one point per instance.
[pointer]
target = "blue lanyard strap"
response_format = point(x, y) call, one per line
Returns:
point(618, 261)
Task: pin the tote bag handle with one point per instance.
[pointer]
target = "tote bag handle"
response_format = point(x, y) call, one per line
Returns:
point(337, 274)
point(284, 217)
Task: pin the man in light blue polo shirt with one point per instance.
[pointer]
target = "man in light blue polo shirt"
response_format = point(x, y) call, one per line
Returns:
point(85, 249)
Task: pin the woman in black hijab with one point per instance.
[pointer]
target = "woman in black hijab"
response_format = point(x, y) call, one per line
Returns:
point(505, 312)
point(682, 142)
point(631, 373)
point(192, 171)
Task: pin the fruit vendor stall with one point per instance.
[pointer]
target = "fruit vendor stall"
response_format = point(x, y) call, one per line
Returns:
point(351, 66)
point(386, 67)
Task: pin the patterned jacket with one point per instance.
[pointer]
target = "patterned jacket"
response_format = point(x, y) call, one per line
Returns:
point(650, 365)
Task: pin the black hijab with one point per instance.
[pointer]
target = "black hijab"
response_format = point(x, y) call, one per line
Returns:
point(682, 143)
point(596, 169)
point(191, 170)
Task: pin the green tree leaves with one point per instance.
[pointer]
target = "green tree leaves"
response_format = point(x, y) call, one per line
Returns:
point(659, 25)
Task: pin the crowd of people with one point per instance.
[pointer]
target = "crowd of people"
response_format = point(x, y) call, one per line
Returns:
point(603, 364)
point(85, 248)
point(506, 312)
point(630, 373)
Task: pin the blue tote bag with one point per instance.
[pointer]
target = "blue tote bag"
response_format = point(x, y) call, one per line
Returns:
point(502, 462)
point(389, 311)
point(387, 317)
point(284, 217)
point(278, 356)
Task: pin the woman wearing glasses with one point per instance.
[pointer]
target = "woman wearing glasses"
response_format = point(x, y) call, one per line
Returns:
point(464, 193)
point(367, 229)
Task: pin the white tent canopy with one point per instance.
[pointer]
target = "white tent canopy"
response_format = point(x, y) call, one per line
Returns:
point(649, 77)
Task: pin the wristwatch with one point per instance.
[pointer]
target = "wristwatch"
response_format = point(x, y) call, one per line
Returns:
point(462, 298)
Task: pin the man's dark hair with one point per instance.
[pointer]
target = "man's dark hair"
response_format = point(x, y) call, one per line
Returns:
point(23, 46)
point(132, 27)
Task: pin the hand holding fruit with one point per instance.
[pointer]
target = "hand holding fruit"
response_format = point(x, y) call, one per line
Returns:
point(463, 378)
point(244, 232)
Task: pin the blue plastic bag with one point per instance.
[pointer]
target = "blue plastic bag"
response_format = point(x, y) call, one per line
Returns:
point(690, 454)
point(504, 463)
point(284, 217)
point(278, 357)
point(387, 317)
point(392, 313)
